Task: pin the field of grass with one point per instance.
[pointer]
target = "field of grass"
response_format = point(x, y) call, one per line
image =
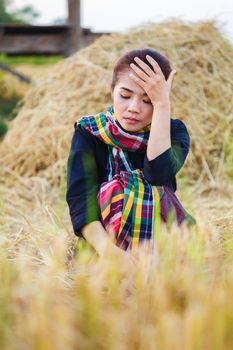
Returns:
point(56, 292)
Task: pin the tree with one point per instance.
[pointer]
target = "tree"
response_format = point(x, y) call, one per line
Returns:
point(24, 15)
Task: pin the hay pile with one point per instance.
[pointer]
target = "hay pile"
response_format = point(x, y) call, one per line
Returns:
point(11, 86)
point(37, 245)
point(34, 153)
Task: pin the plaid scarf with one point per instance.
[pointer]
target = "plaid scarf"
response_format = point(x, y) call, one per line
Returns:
point(127, 200)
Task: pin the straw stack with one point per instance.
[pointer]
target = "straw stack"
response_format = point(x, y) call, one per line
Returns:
point(35, 151)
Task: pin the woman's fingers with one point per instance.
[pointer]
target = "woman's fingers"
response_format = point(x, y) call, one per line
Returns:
point(151, 80)
point(171, 77)
point(155, 65)
point(138, 80)
point(111, 232)
point(148, 72)
point(144, 66)
point(139, 72)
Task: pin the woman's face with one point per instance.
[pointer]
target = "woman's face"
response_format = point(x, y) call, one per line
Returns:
point(131, 104)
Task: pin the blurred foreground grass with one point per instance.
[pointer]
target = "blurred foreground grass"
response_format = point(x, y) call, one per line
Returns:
point(56, 293)
point(66, 297)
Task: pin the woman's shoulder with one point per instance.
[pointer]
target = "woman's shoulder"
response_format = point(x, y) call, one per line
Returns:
point(177, 123)
point(84, 139)
point(178, 127)
point(179, 133)
point(81, 133)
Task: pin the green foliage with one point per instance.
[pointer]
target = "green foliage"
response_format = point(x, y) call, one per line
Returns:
point(3, 129)
point(24, 15)
point(29, 60)
point(8, 108)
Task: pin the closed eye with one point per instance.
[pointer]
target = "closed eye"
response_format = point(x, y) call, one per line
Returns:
point(125, 96)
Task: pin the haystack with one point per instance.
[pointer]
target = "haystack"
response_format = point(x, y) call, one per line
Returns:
point(34, 153)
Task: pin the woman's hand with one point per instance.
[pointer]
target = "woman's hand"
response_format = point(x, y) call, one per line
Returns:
point(158, 90)
point(126, 261)
point(102, 240)
point(153, 82)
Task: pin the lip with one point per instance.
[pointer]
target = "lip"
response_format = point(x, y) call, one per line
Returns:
point(131, 120)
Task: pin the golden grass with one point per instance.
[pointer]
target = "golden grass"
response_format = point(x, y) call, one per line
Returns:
point(202, 97)
point(11, 86)
point(54, 299)
point(34, 152)
point(55, 291)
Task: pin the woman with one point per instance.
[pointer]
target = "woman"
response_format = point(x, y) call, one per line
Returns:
point(123, 162)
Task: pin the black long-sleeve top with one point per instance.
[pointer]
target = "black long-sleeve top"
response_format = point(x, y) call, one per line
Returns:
point(87, 169)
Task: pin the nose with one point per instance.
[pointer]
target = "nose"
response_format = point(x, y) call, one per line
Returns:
point(133, 106)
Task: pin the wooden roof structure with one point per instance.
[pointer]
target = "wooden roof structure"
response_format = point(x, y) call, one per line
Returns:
point(65, 39)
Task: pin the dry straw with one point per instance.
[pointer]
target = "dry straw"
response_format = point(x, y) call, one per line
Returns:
point(54, 298)
point(34, 153)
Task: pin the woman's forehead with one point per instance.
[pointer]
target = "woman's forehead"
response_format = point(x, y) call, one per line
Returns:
point(128, 84)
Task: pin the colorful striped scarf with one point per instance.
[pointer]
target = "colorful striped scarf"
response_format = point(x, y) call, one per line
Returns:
point(127, 200)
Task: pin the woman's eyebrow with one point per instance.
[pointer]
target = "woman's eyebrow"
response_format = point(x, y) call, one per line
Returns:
point(124, 88)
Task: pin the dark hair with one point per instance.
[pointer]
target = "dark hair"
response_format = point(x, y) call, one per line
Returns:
point(124, 61)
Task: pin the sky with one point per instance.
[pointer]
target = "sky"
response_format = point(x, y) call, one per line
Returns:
point(120, 15)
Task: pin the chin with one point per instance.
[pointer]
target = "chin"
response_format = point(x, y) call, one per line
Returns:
point(131, 128)
point(128, 128)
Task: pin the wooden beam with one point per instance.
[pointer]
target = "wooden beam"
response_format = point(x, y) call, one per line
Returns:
point(14, 72)
point(74, 18)
point(34, 44)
